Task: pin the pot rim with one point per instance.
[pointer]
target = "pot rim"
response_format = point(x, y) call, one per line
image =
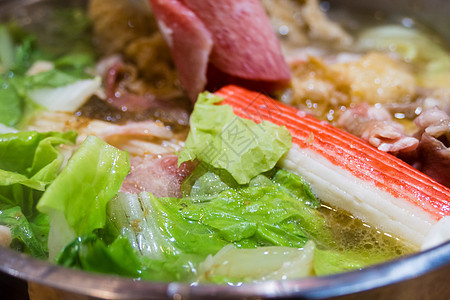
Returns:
point(112, 287)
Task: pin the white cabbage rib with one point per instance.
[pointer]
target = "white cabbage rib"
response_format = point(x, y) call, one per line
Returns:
point(66, 98)
point(259, 264)
point(134, 216)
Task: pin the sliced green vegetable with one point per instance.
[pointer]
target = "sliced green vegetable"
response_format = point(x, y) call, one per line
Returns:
point(162, 228)
point(172, 236)
point(67, 98)
point(11, 104)
point(91, 254)
point(51, 78)
point(169, 245)
point(233, 265)
point(91, 178)
point(75, 64)
point(409, 43)
point(21, 93)
point(29, 161)
point(297, 186)
point(29, 236)
point(21, 48)
point(240, 146)
point(7, 51)
point(29, 152)
point(276, 194)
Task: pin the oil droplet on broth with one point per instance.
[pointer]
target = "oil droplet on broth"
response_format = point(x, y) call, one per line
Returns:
point(352, 234)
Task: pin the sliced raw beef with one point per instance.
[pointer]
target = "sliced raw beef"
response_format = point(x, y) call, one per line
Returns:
point(230, 40)
point(158, 175)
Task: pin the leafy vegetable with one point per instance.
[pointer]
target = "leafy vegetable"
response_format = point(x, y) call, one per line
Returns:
point(261, 213)
point(7, 55)
point(91, 254)
point(11, 104)
point(65, 87)
point(29, 161)
point(158, 231)
point(75, 64)
point(410, 43)
point(66, 98)
point(297, 186)
point(240, 146)
point(17, 49)
point(91, 178)
point(264, 212)
point(427, 55)
point(28, 236)
point(233, 265)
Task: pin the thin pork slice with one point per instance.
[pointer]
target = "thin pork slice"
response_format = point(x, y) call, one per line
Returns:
point(375, 125)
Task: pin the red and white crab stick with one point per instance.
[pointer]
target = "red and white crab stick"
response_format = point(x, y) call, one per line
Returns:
point(347, 173)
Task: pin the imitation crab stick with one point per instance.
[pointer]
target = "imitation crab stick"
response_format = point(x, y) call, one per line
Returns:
point(347, 173)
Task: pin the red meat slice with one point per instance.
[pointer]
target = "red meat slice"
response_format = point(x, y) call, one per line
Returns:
point(158, 175)
point(234, 37)
point(189, 40)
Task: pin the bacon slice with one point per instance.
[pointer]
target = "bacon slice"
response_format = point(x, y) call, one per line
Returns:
point(347, 173)
point(234, 37)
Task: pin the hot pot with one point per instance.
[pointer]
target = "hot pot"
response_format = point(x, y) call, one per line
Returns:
point(420, 276)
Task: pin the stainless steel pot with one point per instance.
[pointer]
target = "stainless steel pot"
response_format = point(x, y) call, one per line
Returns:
point(420, 276)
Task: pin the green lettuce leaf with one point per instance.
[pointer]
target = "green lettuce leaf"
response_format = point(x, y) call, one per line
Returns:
point(209, 186)
point(20, 49)
point(67, 42)
point(296, 186)
point(29, 161)
point(90, 253)
point(75, 64)
point(17, 49)
point(263, 212)
point(91, 178)
point(27, 236)
point(234, 265)
point(157, 232)
point(240, 146)
point(409, 43)
point(7, 51)
point(11, 104)
point(162, 228)
point(50, 78)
